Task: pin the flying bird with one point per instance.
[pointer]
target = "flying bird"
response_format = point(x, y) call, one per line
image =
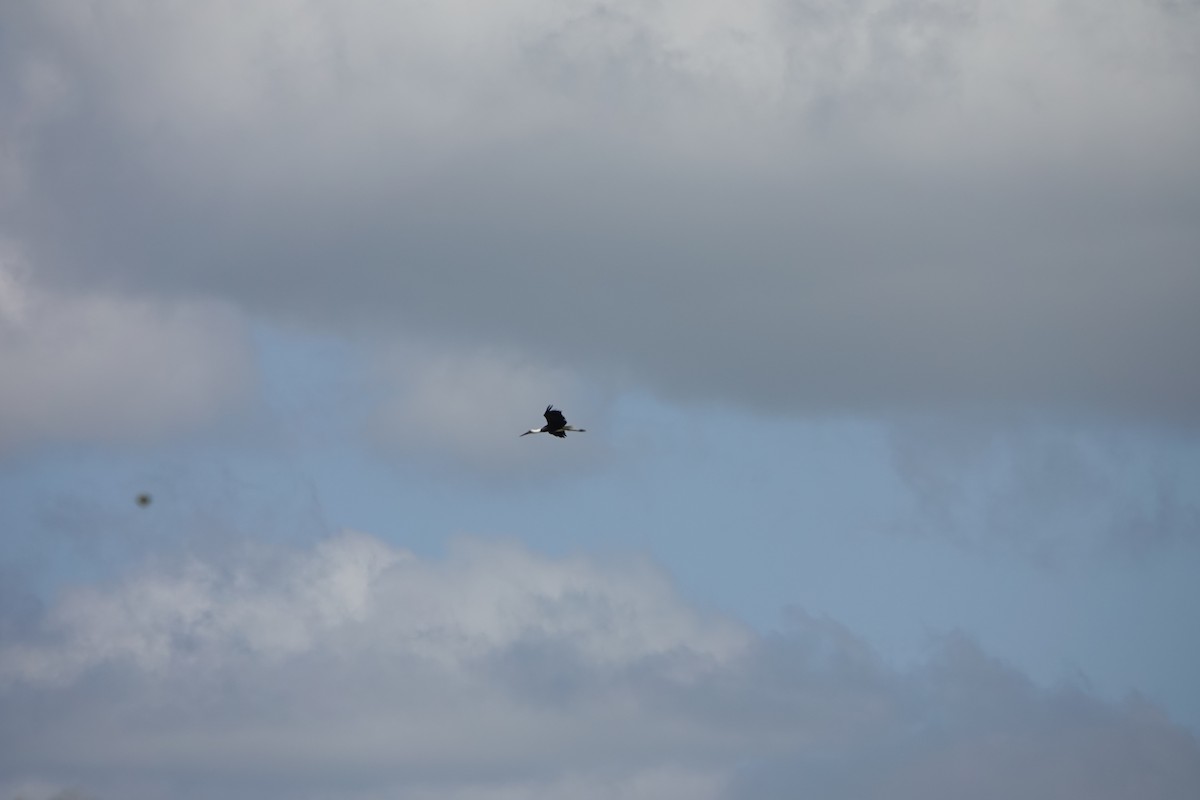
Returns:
point(556, 424)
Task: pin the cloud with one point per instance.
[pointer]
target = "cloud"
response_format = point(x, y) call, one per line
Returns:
point(38, 790)
point(797, 206)
point(467, 407)
point(1049, 492)
point(354, 669)
point(101, 367)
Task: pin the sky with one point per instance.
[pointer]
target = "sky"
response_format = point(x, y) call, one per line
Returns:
point(880, 317)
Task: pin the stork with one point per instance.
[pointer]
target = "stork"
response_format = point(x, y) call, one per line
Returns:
point(556, 424)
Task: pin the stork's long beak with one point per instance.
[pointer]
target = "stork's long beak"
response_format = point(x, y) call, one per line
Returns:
point(526, 433)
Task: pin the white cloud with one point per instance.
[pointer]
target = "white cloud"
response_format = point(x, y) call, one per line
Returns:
point(279, 604)
point(455, 404)
point(102, 367)
point(358, 670)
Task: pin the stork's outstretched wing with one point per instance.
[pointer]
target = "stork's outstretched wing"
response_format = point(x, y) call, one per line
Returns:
point(555, 420)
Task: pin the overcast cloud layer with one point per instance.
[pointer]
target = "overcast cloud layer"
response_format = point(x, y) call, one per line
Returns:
point(799, 205)
point(355, 669)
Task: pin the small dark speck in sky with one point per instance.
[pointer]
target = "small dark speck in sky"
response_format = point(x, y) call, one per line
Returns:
point(143, 500)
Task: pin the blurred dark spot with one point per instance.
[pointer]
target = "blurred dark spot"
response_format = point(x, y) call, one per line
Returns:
point(143, 500)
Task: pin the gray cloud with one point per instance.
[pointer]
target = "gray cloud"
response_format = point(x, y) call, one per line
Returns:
point(803, 206)
point(357, 670)
point(104, 367)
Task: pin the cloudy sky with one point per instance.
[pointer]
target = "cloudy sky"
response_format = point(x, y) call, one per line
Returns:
point(880, 314)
